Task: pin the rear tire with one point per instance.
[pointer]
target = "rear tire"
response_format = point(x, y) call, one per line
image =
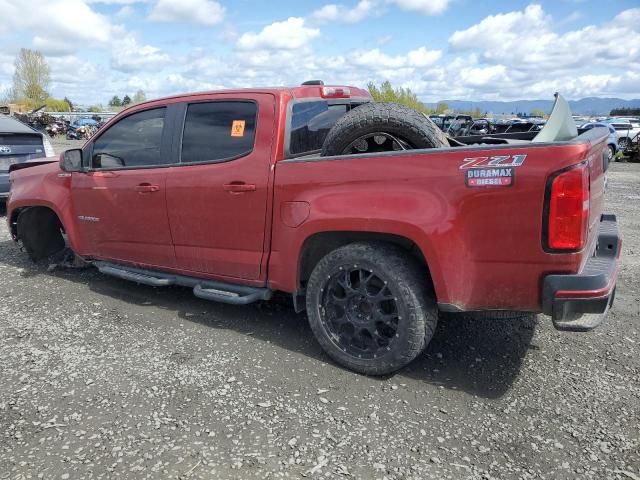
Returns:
point(404, 128)
point(371, 307)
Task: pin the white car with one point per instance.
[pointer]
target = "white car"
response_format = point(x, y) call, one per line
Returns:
point(625, 129)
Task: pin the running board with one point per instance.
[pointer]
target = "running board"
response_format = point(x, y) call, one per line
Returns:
point(146, 278)
point(205, 289)
point(235, 296)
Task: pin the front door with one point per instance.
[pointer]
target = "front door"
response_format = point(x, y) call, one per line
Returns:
point(217, 196)
point(120, 200)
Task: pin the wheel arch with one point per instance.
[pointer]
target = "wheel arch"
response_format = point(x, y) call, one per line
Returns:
point(319, 244)
point(40, 230)
point(15, 213)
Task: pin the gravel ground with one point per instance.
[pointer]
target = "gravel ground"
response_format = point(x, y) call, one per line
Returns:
point(102, 378)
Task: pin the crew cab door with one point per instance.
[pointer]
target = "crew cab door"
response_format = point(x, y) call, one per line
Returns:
point(120, 197)
point(218, 194)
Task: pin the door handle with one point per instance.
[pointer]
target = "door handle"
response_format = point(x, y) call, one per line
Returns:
point(147, 188)
point(239, 187)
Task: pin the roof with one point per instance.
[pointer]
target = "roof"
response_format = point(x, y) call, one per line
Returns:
point(11, 125)
point(301, 91)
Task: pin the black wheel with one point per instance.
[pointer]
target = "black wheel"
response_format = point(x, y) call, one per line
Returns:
point(371, 307)
point(382, 127)
point(39, 230)
point(623, 143)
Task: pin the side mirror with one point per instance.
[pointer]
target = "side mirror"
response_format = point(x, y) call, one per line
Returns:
point(71, 160)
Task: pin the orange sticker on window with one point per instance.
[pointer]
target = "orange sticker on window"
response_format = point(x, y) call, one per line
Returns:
point(237, 128)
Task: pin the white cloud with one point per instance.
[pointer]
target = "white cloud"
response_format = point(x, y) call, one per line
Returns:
point(49, 20)
point(426, 7)
point(56, 35)
point(289, 34)
point(125, 11)
point(493, 31)
point(340, 13)
point(524, 40)
point(128, 55)
point(420, 57)
point(203, 12)
point(68, 69)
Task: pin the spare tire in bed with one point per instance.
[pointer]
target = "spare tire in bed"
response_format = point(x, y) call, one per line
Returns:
point(382, 127)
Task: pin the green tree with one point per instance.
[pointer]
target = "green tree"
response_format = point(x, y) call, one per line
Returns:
point(7, 96)
point(126, 100)
point(536, 112)
point(32, 77)
point(95, 108)
point(115, 101)
point(55, 105)
point(386, 93)
point(139, 97)
point(65, 99)
point(442, 107)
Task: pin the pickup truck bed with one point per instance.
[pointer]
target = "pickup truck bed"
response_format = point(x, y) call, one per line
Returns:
point(371, 245)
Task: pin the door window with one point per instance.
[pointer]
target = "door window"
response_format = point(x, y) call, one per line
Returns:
point(132, 142)
point(218, 131)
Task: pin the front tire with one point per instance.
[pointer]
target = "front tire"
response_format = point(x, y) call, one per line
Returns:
point(623, 143)
point(611, 153)
point(40, 232)
point(371, 307)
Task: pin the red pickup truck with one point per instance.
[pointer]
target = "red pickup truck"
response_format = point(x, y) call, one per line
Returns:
point(318, 192)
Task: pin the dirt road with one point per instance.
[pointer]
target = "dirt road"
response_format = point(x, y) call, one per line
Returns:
point(101, 378)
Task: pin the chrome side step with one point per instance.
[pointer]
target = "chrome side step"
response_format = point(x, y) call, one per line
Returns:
point(241, 295)
point(205, 289)
point(144, 278)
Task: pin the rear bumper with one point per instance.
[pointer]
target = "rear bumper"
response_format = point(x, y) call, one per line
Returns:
point(4, 185)
point(580, 302)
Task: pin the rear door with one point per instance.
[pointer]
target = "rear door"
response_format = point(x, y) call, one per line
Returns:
point(120, 200)
point(218, 195)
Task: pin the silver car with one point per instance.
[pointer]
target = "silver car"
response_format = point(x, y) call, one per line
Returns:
point(18, 143)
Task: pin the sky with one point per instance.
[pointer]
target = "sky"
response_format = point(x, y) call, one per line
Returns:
point(440, 49)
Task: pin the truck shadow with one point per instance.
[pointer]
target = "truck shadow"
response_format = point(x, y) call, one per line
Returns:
point(480, 356)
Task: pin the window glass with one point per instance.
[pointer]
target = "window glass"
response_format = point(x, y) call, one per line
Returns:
point(132, 142)
point(310, 124)
point(217, 131)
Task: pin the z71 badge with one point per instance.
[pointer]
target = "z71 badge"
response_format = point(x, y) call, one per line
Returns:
point(496, 171)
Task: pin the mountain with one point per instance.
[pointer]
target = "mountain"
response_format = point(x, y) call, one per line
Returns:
point(584, 106)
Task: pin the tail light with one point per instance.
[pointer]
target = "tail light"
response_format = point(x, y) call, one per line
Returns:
point(336, 92)
point(568, 207)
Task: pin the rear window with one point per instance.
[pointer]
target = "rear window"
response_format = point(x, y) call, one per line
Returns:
point(311, 122)
point(20, 139)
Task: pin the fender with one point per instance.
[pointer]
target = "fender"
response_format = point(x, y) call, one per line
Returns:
point(402, 212)
point(44, 185)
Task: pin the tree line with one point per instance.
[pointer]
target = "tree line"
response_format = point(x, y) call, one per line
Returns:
point(625, 112)
point(138, 97)
point(387, 93)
